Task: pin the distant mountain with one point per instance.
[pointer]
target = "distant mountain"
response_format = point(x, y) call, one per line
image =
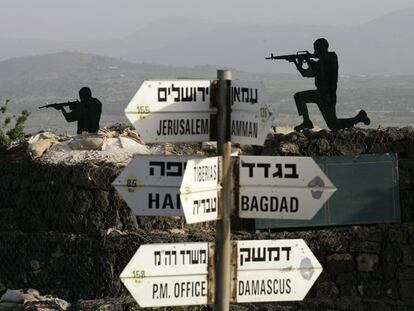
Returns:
point(168, 31)
point(381, 46)
point(32, 81)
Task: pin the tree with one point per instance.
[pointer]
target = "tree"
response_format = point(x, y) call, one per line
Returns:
point(8, 132)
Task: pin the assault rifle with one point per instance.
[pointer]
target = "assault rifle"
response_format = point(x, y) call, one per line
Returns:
point(300, 56)
point(59, 106)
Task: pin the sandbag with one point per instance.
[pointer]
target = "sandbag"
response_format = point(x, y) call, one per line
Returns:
point(40, 143)
point(87, 142)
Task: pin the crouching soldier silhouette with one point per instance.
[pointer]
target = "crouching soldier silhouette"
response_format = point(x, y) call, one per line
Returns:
point(325, 71)
point(87, 112)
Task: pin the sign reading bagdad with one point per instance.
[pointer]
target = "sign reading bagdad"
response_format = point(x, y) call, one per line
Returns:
point(282, 187)
point(169, 274)
point(171, 111)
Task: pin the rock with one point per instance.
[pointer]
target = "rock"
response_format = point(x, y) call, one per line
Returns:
point(212, 146)
point(408, 255)
point(288, 148)
point(349, 303)
point(72, 223)
point(47, 304)
point(35, 265)
point(344, 148)
point(65, 198)
point(405, 179)
point(407, 290)
point(390, 256)
point(120, 127)
point(326, 290)
point(324, 146)
point(20, 295)
point(348, 290)
point(397, 236)
point(10, 306)
point(129, 221)
point(365, 246)
point(114, 304)
point(391, 289)
point(345, 278)
point(324, 277)
point(370, 289)
point(339, 263)
point(100, 201)
point(405, 274)
point(96, 222)
point(323, 133)
point(373, 234)
point(112, 220)
point(367, 262)
point(84, 200)
point(3, 289)
point(12, 295)
point(57, 252)
point(31, 300)
point(346, 282)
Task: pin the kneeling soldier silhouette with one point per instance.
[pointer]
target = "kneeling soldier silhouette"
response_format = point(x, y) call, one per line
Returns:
point(325, 71)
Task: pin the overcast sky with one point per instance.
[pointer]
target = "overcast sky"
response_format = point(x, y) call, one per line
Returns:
point(107, 19)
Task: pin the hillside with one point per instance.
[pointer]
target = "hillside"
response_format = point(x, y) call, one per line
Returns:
point(32, 81)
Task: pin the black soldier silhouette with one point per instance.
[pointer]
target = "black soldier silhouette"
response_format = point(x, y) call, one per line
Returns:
point(325, 71)
point(87, 112)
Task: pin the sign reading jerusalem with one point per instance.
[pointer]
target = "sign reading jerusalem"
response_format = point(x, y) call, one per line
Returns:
point(251, 118)
point(171, 111)
point(169, 274)
point(282, 187)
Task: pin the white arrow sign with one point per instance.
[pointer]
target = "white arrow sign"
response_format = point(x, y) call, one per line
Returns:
point(170, 274)
point(199, 190)
point(282, 187)
point(274, 270)
point(150, 184)
point(171, 111)
point(251, 118)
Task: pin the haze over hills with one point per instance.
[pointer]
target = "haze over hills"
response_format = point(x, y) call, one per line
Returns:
point(381, 46)
point(32, 81)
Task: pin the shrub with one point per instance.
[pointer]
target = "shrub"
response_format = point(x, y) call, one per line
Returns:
point(8, 132)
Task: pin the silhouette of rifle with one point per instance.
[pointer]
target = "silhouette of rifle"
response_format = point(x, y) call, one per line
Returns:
point(59, 106)
point(300, 56)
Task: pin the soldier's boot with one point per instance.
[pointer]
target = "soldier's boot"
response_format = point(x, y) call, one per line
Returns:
point(363, 117)
point(306, 125)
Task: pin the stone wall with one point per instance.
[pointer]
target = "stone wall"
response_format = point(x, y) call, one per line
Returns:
point(65, 231)
point(78, 199)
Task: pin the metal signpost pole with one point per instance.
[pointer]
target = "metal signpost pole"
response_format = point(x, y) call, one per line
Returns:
point(223, 230)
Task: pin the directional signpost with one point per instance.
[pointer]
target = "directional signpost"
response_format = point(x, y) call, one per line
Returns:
point(200, 189)
point(251, 117)
point(274, 270)
point(282, 187)
point(170, 274)
point(270, 187)
point(150, 184)
point(171, 111)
